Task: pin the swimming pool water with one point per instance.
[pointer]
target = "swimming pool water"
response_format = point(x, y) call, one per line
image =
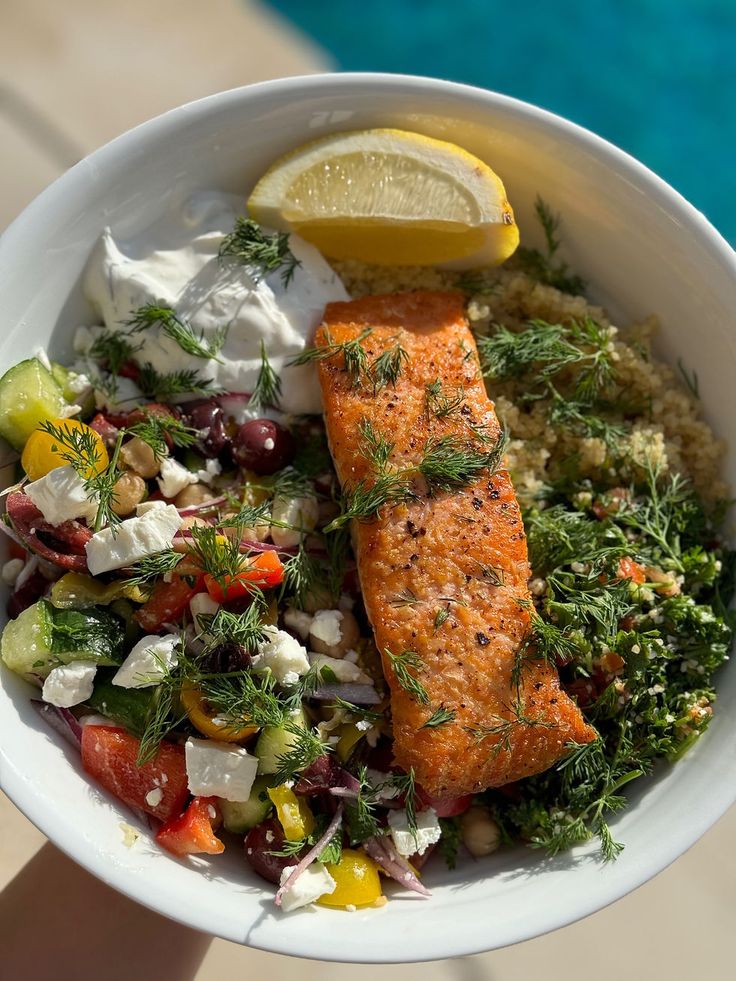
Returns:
point(656, 77)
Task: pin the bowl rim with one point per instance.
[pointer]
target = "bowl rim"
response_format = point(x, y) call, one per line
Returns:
point(29, 797)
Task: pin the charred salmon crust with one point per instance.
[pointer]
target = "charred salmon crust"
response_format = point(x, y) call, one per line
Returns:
point(443, 569)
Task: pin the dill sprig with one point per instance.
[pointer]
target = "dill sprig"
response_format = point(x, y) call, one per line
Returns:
point(502, 729)
point(449, 463)
point(302, 572)
point(156, 430)
point(405, 598)
point(113, 350)
point(165, 387)
point(262, 253)
point(403, 664)
point(360, 816)
point(544, 265)
point(386, 368)
point(267, 390)
point(307, 746)
point(244, 699)
point(153, 567)
point(353, 353)
point(440, 717)
point(442, 403)
point(246, 629)
point(179, 330)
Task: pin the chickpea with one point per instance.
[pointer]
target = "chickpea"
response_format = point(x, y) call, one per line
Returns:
point(130, 489)
point(139, 457)
point(480, 833)
point(318, 598)
point(328, 624)
point(184, 545)
point(192, 495)
point(301, 513)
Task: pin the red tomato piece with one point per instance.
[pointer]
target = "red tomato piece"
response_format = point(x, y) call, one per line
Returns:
point(109, 755)
point(263, 570)
point(167, 602)
point(446, 807)
point(629, 569)
point(192, 833)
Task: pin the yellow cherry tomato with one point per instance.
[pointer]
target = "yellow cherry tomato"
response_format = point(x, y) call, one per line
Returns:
point(42, 453)
point(293, 813)
point(203, 718)
point(358, 882)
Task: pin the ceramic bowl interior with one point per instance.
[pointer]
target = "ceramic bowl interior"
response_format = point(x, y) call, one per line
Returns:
point(641, 248)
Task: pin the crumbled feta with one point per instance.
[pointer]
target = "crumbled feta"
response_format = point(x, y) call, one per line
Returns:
point(78, 383)
point(133, 540)
point(300, 513)
point(85, 337)
point(298, 621)
point(174, 477)
point(154, 797)
point(60, 496)
point(69, 684)
point(377, 778)
point(148, 662)
point(344, 671)
point(11, 570)
point(313, 883)
point(202, 605)
point(145, 506)
point(212, 469)
point(427, 833)
point(118, 392)
point(327, 627)
point(219, 769)
point(282, 655)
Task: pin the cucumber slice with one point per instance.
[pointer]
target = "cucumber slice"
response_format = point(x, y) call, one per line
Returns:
point(42, 637)
point(26, 642)
point(274, 742)
point(28, 395)
point(64, 378)
point(241, 817)
point(129, 707)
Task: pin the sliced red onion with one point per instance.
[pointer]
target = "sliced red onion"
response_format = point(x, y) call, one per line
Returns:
point(383, 851)
point(61, 720)
point(355, 694)
point(246, 545)
point(312, 855)
point(28, 522)
point(210, 505)
point(26, 572)
point(12, 535)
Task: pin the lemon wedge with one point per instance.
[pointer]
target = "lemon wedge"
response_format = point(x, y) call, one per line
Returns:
point(390, 197)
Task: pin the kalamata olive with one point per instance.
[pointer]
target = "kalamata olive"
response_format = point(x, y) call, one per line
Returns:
point(259, 842)
point(226, 657)
point(32, 589)
point(263, 446)
point(209, 419)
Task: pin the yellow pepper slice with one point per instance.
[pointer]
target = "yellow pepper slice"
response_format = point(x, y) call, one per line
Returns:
point(358, 882)
point(203, 718)
point(293, 813)
point(75, 591)
point(350, 735)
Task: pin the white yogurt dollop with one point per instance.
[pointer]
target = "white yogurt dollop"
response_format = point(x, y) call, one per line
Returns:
point(174, 263)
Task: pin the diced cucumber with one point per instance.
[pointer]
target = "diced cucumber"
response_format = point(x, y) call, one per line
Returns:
point(42, 637)
point(88, 635)
point(274, 742)
point(28, 395)
point(241, 817)
point(26, 642)
point(64, 378)
point(129, 707)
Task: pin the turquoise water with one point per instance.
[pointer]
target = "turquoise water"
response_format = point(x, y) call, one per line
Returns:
point(656, 77)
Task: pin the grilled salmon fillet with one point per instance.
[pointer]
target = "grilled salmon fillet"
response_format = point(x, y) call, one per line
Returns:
point(443, 571)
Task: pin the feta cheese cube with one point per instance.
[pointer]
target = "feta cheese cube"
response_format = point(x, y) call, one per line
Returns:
point(69, 684)
point(145, 506)
point(298, 621)
point(345, 672)
point(327, 627)
point(174, 477)
point(282, 655)
point(202, 605)
point(133, 540)
point(60, 496)
point(407, 843)
point(313, 883)
point(212, 469)
point(219, 769)
point(148, 662)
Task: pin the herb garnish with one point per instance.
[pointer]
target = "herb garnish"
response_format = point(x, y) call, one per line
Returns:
point(175, 327)
point(352, 351)
point(403, 664)
point(440, 717)
point(114, 350)
point(261, 252)
point(267, 390)
point(165, 387)
point(156, 430)
point(545, 266)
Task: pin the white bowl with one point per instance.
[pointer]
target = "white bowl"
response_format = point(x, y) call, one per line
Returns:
point(642, 249)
